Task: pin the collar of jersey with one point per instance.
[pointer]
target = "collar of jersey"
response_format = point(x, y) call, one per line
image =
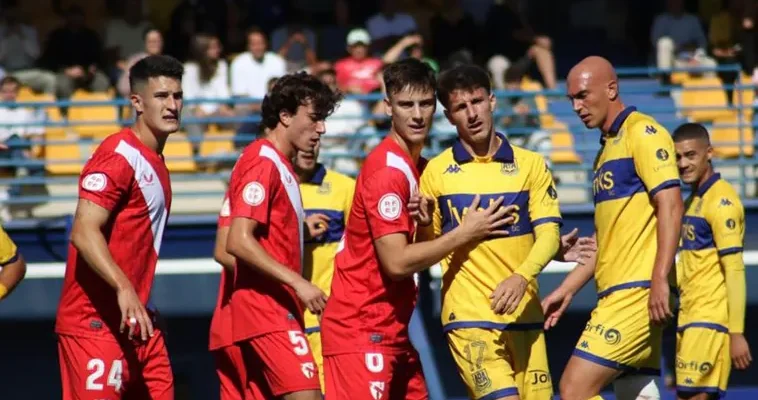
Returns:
point(707, 184)
point(616, 125)
point(504, 153)
point(318, 176)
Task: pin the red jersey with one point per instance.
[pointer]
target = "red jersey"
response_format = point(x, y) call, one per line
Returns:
point(263, 187)
point(132, 182)
point(368, 311)
point(221, 322)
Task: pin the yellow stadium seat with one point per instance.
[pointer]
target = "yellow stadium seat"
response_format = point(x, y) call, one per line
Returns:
point(63, 158)
point(714, 98)
point(53, 113)
point(725, 137)
point(563, 145)
point(677, 78)
point(107, 114)
point(744, 97)
point(178, 154)
point(546, 119)
point(218, 143)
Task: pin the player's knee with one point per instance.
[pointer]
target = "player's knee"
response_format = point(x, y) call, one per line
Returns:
point(634, 387)
point(569, 390)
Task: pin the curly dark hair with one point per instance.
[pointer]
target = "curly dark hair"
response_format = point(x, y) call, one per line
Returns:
point(409, 72)
point(153, 67)
point(463, 77)
point(294, 90)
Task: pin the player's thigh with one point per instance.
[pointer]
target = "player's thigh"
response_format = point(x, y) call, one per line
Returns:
point(582, 379)
point(532, 368)
point(702, 361)
point(92, 369)
point(288, 365)
point(485, 361)
point(156, 377)
point(408, 380)
point(231, 374)
point(361, 376)
point(314, 339)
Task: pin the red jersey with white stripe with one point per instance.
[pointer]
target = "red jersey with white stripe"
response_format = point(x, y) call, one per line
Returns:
point(221, 322)
point(132, 182)
point(367, 311)
point(263, 187)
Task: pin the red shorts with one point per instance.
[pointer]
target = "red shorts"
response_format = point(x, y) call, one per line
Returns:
point(279, 363)
point(370, 376)
point(93, 369)
point(230, 368)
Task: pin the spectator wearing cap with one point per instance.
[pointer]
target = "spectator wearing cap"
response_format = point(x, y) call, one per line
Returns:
point(359, 72)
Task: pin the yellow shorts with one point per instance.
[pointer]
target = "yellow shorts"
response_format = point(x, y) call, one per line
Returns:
point(620, 335)
point(703, 362)
point(494, 363)
point(314, 339)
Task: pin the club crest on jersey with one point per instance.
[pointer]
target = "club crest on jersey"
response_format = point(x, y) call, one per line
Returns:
point(377, 389)
point(730, 223)
point(94, 182)
point(253, 194)
point(325, 188)
point(662, 154)
point(482, 381)
point(509, 168)
point(225, 208)
point(552, 192)
point(390, 206)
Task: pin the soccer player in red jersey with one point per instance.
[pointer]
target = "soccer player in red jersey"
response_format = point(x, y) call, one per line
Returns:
point(367, 351)
point(266, 238)
point(124, 202)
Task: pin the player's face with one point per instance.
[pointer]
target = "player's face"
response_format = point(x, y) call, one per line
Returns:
point(305, 128)
point(590, 99)
point(471, 113)
point(411, 110)
point(159, 104)
point(154, 42)
point(693, 158)
point(305, 160)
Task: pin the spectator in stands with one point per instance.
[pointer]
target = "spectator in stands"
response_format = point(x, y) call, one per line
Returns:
point(388, 26)
point(19, 50)
point(452, 30)
point(359, 73)
point(252, 70)
point(413, 46)
point(521, 120)
point(206, 77)
point(679, 40)
point(153, 45)
point(75, 52)
point(19, 139)
point(124, 36)
point(295, 42)
point(722, 37)
point(511, 39)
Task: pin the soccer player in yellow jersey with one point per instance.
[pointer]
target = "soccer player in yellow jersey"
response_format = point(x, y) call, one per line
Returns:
point(638, 211)
point(329, 195)
point(12, 265)
point(491, 310)
point(710, 272)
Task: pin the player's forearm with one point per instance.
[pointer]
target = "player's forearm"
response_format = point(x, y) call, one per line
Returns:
point(92, 247)
point(247, 249)
point(11, 275)
point(219, 252)
point(669, 215)
point(734, 275)
point(546, 244)
point(578, 277)
point(417, 257)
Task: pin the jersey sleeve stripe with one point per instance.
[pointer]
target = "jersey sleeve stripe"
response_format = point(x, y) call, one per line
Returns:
point(665, 185)
point(540, 221)
point(730, 250)
point(708, 325)
point(11, 260)
point(628, 285)
point(525, 326)
point(615, 365)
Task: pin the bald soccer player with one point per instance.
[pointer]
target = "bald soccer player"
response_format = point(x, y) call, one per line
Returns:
point(638, 213)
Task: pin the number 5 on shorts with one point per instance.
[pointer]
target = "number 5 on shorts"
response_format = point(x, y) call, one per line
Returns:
point(299, 342)
point(97, 366)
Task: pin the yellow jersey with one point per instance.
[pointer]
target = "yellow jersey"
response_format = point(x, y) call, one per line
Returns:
point(470, 275)
point(329, 193)
point(637, 160)
point(8, 250)
point(713, 226)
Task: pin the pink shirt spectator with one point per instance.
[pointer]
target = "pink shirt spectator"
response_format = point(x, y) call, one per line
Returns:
point(362, 74)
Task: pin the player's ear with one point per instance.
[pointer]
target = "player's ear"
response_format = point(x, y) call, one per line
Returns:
point(613, 90)
point(285, 118)
point(493, 101)
point(136, 100)
point(709, 152)
point(387, 106)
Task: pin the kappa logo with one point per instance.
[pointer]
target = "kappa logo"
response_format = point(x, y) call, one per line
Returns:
point(377, 389)
point(452, 169)
point(650, 130)
point(309, 370)
point(725, 202)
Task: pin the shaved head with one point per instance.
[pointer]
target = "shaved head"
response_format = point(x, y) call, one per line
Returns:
point(593, 90)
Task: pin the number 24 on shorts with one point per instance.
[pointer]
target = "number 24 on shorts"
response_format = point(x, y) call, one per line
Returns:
point(97, 366)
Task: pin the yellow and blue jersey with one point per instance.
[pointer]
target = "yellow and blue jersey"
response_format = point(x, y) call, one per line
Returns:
point(329, 193)
point(637, 161)
point(470, 275)
point(8, 250)
point(713, 226)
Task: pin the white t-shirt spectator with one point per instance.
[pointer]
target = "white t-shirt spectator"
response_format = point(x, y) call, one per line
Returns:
point(216, 88)
point(379, 26)
point(125, 37)
point(18, 51)
point(20, 115)
point(250, 77)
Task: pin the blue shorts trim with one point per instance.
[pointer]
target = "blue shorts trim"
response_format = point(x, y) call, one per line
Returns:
point(707, 325)
point(628, 370)
point(312, 330)
point(628, 285)
point(701, 389)
point(531, 326)
point(512, 391)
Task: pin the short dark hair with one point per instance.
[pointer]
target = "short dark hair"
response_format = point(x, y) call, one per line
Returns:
point(409, 72)
point(153, 67)
point(149, 29)
point(9, 80)
point(467, 77)
point(691, 131)
point(294, 90)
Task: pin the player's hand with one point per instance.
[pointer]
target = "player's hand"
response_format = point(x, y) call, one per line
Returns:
point(480, 223)
point(584, 250)
point(554, 305)
point(317, 224)
point(508, 294)
point(312, 297)
point(133, 313)
point(739, 351)
point(659, 306)
point(421, 209)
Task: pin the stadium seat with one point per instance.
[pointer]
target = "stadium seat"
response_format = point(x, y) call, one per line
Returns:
point(107, 114)
point(563, 145)
point(217, 143)
point(63, 158)
point(725, 137)
point(53, 113)
point(546, 119)
point(745, 96)
point(703, 92)
point(178, 154)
